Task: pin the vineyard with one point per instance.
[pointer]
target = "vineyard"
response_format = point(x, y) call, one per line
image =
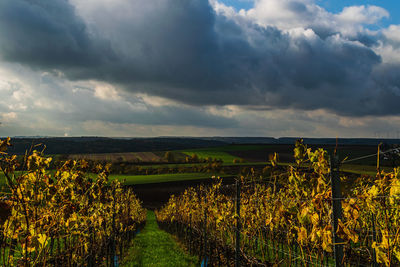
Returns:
point(67, 218)
point(303, 214)
point(295, 217)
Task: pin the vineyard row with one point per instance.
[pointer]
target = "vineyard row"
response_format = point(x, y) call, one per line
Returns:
point(293, 218)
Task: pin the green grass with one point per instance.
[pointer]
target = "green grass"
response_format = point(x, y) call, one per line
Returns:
point(189, 165)
point(173, 165)
point(154, 247)
point(144, 179)
point(222, 152)
point(202, 154)
point(160, 178)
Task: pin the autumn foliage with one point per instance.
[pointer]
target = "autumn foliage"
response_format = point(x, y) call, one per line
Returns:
point(294, 208)
point(63, 217)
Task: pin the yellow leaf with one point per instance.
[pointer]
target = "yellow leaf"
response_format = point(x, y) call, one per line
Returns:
point(42, 238)
point(302, 235)
point(380, 254)
point(315, 218)
point(374, 191)
point(396, 252)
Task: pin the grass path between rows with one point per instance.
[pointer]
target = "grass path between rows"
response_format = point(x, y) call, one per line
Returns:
point(155, 247)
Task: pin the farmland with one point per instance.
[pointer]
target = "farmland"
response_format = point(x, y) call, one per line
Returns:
point(155, 176)
point(293, 216)
point(161, 178)
point(119, 157)
point(153, 167)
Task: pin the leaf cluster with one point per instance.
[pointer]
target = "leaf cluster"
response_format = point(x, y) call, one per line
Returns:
point(65, 216)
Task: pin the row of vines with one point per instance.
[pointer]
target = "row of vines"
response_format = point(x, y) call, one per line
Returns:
point(287, 218)
point(63, 217)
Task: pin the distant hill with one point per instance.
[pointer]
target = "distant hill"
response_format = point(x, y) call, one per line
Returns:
point(91, 145)
point(310, 141)
point(243, 140)
point(341, 141)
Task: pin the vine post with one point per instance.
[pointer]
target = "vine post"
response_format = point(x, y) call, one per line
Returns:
point(237, 248)
point(114, 261)
point(205, 229)
point(92, 256)
point(190, 233)
point(337, 208)
point(374, 263)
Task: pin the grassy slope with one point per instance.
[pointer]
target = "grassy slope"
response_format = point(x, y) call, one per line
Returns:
point(222, 152)
point(178, 165)
point(154, 247)
point(159, 178)
point(143, 179)
point(205, 153)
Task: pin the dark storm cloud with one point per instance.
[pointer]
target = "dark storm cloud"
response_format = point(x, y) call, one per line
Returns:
point(184, 51)
point(122, 112)
point(47, 34)
point(83, 105)
point(159, 116)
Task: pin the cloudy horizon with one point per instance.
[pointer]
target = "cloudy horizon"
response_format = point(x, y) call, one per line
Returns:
point(307, 68)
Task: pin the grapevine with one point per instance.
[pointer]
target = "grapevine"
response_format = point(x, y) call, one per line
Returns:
point(288, 218)
point(66, 217)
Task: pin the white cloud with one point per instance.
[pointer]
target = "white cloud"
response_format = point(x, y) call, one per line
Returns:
point(289, 14)
point(284, 67)
point(362, 14)
point(9, 117)
point(393, 34)
point(157, 101)
point(222, 9)
point(105, 91)
point(389, 46)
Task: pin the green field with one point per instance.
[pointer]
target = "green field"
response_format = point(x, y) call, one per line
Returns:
point(179, 165)
point(210, 153)
point(144, 179)
point(160, 178)
point(213, 152)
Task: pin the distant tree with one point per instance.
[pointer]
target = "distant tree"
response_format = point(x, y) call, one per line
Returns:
point(195, 158)
point(169, 157)
point(236, 161)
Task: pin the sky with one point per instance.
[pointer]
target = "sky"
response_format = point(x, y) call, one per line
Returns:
point(127, 68)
